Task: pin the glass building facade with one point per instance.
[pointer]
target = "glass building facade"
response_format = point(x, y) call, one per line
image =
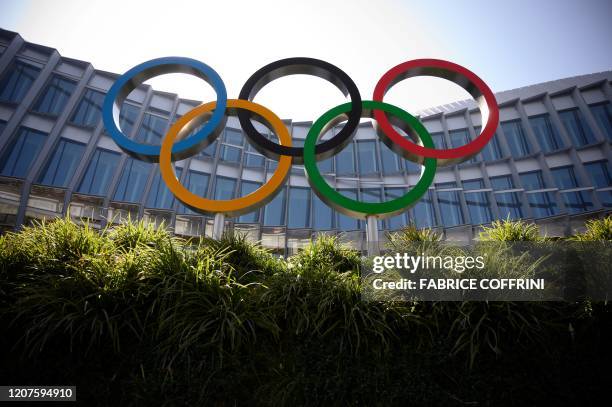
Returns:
point(549, 162)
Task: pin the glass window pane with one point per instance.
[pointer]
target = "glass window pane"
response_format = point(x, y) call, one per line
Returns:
point(17, 81)
point(423, 211)
point(398, 221)
point(63, 163)
point(545, 133)
point(492, 150)
point(368, 164)
point(502, 182)
point(473, 184)
point(233, 137)
point(509, 205)
point(459, 138)
point(516, 138)
point(224, 188)
point(321, 214)
point(230, 153)
point(439, 140)
point(160, 196)
point(599, 173)
point(196, 183)
point(372, 195)
point(299, 207)
point(246, 188)
point(532, 180)
point(603, 115)
point(24, 149)
point(564, 177)
point(606, 198)
point(2, 126)
point(100, 171)
point(450, 209)
point(575, 125)
point(55, 96)
point(274, 212)
point(390, 160)
point(346, 222)
point(542, 204)
point(133, 181)
point(578, 201)
point(479, 207)
point(345, 161)
point(253, 160)
point(89, 109)
point(152, 129)
point(128, 117)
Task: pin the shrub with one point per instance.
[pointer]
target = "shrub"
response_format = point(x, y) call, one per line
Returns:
point(509, 230)
point(596, 229)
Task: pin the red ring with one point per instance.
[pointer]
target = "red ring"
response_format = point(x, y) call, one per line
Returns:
point(446, 70)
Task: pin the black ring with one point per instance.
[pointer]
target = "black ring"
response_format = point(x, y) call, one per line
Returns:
point(305, 66)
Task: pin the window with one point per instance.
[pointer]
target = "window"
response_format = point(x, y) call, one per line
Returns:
point(509, 205)
point(100, 172)
point(160, 196)
point(390, 160)
point(246, 188)
point(274, 212)
point(299, 207)
point(346, 222)
point(252, 159)
point(196, 183)
point(574, 123)
point(479, 207)
point(492, 150)
point(398, 221)
point(577, 201)
point(229, 150)
point(17, 81)
point(546, 134)
point(532, 180)
point(605, 197)
point(367, 160)
point(224, 188)
point(62, 165)
point(209, 151)
point(423, 211)
point(603, 115)
point(372, 195)
point(439, 141)
point(345, 160)
point(89, 109)
point(2, 126)
point(501, 182)
point(473, 184)
point(54, 98)
point(127, 117)
point(450, 209)
point(542, 204)
point(152, 129)
point(25, 148)
point(516, 138)
point(459, 138)
point(599, 173)
point(133, 181)
point(321, 214)
point(564, 177)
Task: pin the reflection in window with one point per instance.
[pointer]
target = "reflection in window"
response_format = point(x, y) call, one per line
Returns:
point(390, 160)
point(603, 115)
point(274, 212)
point(196, 183)
point(398, 221)
point(564, 177)
point(224, 188)
point(492, 150)
point(605, 197)
point(460, 138)
point(471, 184)
point(55, 96)
point(62, 165)
point(89, 109)
point(575, 125)
point(439, 140)
point(321, 214)
point(542, 204)
point(532, 180)
point(367, 159)
point(133, 181)
point(346, 222)
point(299, 207)
point(424, 215)
point(479, 207)
point(577, 201)
point(246, 188)
point(99, 172)
point(345, 161)
point(450, 209)
point(545, 133)
point(509, 205)
point(152, 129)
point(17, 81)
point(599, 173)
point(127, 117)
point(516, 138)
point(501, 182)
point(24, 149)
point(160, 196)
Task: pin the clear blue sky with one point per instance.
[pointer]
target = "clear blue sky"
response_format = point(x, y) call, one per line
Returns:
point(509, 44)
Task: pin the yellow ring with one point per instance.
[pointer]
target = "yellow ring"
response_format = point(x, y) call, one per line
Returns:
point(232, 207)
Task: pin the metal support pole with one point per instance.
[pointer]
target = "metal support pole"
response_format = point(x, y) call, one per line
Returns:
point(372, 236)
point(218, 225)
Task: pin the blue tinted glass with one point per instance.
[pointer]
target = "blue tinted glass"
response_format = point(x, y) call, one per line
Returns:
point(372, 195)
point(2, 126)
point(398, 221)
point(479, 207)
point(606, 198)
point(230, 153)
point(579, 132)
point(412, 167)
point(55, 96)
point(603, 115)
point(367, 161)
point(274, 212)
point(509, 205)
point(542, 204)
point(160, 196)
point(439, 140)
point(390, 160)
point(62, 165)
point(599, 173)
point(473, 184)
point(246, 188)
point(459, 138)
point(17, 81)
point(89, 109)
point(423, 212)
point(210, 150)
point(346, 222)
point(196, 183)
point(24, 149)
point(578, 201)
point(516, 139)
point(564, 177)
point(492, 150)
point(321, 214)
point(253, 160)
point(152, 129)
point(501, 182)
point(133, 181)
point(446, 185)
point(299, 207)
point(224, 188)
point(532, 180)
point(128, 117)
point(450, 209)
point(545, 133)
point(100, 171)
point(345, 161)
point(233, 137)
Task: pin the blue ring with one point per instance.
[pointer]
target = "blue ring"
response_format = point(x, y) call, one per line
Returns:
point(149, 69)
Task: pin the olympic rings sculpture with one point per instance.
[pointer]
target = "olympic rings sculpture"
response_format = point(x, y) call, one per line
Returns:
point(208, 120)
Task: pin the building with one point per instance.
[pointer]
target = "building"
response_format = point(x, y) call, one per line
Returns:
point(549, 161)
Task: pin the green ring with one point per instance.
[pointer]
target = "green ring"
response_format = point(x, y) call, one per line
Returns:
point(358, 209)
